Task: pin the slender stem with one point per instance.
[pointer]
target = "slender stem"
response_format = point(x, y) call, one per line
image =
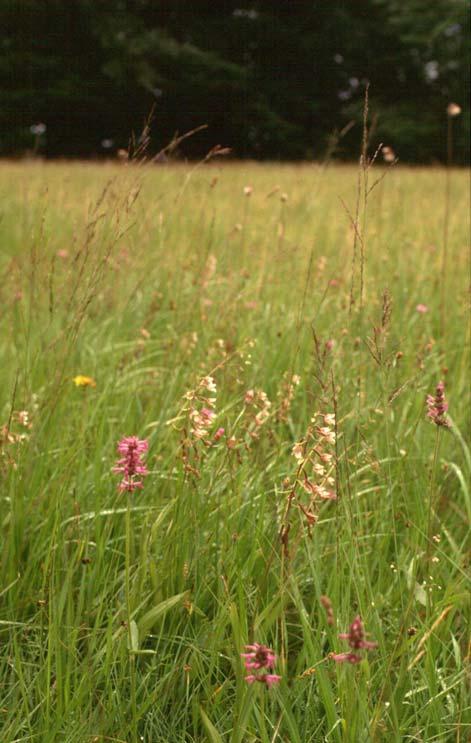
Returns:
point(263, 726)
point(132, 667)
point(431, 498)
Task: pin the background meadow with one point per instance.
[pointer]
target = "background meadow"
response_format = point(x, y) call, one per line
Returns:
point(123, 616)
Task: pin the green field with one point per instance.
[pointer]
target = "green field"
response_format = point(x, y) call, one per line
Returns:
point(123, 615)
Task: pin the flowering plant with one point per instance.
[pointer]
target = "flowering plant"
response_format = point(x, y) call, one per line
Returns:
point(261, 659)
point(130, 464)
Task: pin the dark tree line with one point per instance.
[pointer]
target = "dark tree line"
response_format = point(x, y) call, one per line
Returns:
point(271, 78)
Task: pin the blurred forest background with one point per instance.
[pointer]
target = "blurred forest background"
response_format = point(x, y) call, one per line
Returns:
point(271, 79)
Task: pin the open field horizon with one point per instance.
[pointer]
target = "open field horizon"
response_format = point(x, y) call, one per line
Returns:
point(272, 331)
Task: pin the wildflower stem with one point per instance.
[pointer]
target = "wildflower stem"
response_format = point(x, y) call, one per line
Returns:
point(431, 500)
point(263, 726)
point(132, 667)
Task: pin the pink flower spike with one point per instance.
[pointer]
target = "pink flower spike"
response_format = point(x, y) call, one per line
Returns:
point(132, 443)
point(131, 465)
point(260, 658)
point(422, 308)
point(356, 634)
point(356, 639)
point(438, 406)
point(219, 434)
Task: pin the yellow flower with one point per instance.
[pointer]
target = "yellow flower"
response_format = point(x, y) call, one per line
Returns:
point(81, 381)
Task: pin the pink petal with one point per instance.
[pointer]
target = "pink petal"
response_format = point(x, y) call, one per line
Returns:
point(271, 679)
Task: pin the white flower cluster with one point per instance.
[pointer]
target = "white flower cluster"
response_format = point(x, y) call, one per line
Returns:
point(202, 404)
point(259, 400)
point(315, 456)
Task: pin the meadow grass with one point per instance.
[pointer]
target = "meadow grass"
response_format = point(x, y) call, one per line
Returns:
point(123, 615)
